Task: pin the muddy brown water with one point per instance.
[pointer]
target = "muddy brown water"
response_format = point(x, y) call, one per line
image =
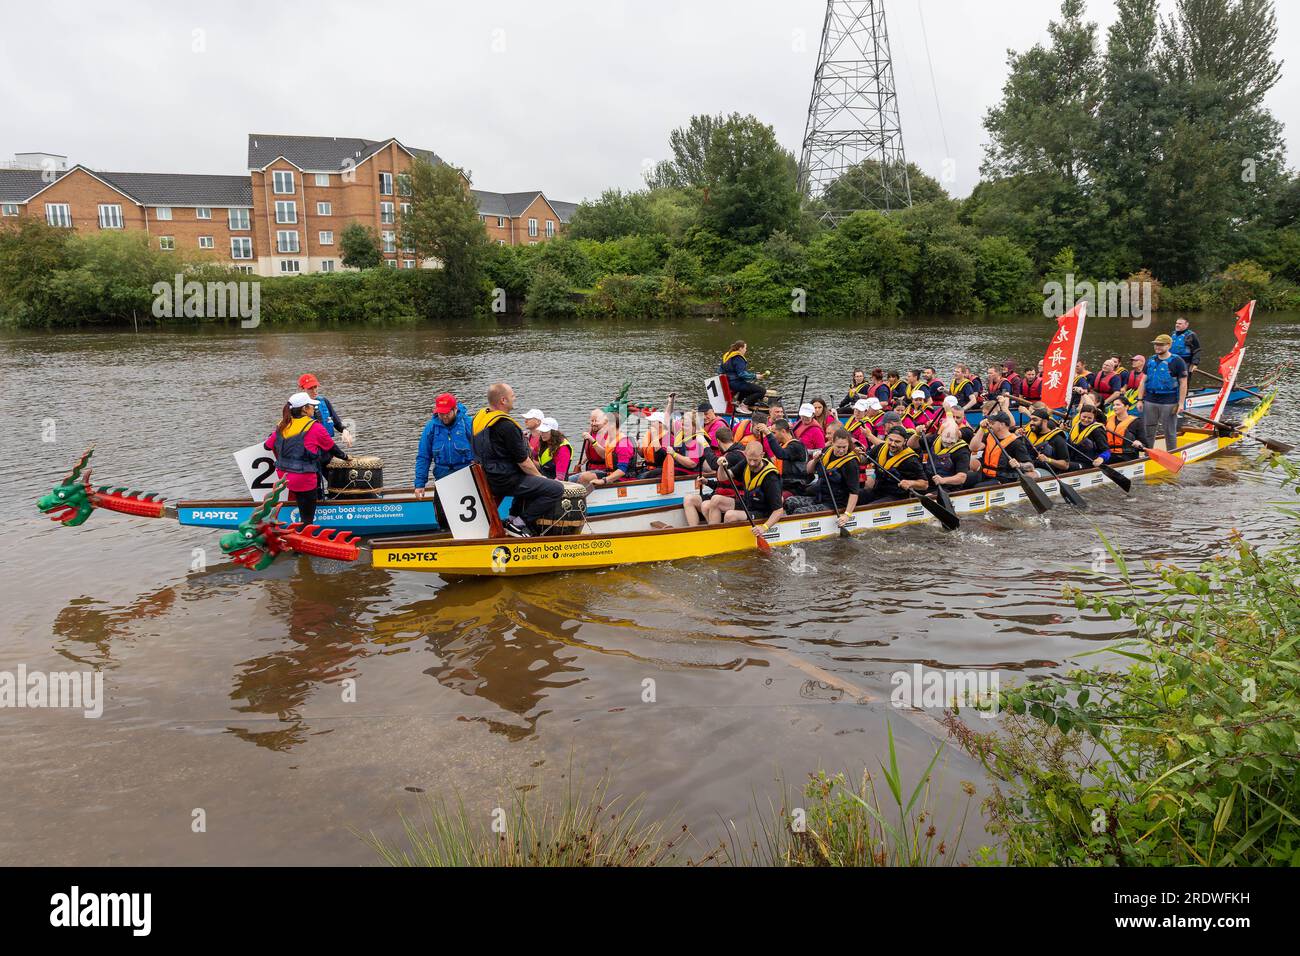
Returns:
point(226, 689)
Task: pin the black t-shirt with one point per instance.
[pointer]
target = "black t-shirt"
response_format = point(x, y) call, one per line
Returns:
point(507, 448)
point(764, 499)
point(1054, 448)
point(953, 462)
point(844, 481)
point(909, 469)
point(794, 461)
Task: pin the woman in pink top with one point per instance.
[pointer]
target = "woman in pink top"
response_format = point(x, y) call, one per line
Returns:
point(301, 445)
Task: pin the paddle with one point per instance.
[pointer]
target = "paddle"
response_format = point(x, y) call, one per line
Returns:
point(1068, 493)
point(803, 391)
point(764, 545)
point(1118, 478)
point(668, 477)
point(1033, 490)
point(946, 516)
point(1171, 463)
point(1248, 391)
point(1277, 447)
point(940, 491)
point(844, 532)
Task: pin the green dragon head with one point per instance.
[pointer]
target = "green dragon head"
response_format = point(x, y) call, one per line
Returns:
point(256, 542)
point(71, 502)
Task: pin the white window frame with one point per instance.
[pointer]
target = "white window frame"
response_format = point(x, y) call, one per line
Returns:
point(323, 180)
point(9, 209)
point(290, 267)
point(207, 242)
point(501, 222)
point(167, 243)
point(58, 214)
point(244, 221)
point(202, 212)
point(327, 265)
point(162, 213)
point(391, 263)
point(386, 215)
point(113, 219)
point(325, 237)
point(285, 176)
point(324, 209)
point(286, 208)
point(385, 184)
point(282, 244)
point(532, 228)
point(550, 229)
point(245, 270)
point(404, 209)
point(239, 244)
point(389, 240)
point(408, 263)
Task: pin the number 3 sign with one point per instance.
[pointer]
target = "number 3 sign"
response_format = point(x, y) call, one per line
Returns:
point(463, 505)
point(257, 465)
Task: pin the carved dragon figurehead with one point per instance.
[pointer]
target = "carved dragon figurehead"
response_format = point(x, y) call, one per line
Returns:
point(257, 542)
point(72, 501)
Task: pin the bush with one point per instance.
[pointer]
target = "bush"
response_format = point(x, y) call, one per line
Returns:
point(1003, 275)
point(549, 294)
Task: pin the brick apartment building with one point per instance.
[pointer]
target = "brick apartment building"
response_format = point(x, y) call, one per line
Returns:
point(283, 217)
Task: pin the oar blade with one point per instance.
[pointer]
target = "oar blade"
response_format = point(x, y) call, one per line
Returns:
point(668, 479)
point(1071, 494)
point(1120, 479)
point(764, 546)
point(947, 518)
point(1035, 493)
point(1171, 463)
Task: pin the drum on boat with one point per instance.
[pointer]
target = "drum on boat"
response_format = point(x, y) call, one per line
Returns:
point(358, 477)
point(570, 512)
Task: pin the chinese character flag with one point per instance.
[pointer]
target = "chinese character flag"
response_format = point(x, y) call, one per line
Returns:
point(1062, 354)
point(1244, 315)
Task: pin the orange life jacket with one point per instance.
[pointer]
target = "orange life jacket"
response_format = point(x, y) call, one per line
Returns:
point(1115, 432)
point(993, 451)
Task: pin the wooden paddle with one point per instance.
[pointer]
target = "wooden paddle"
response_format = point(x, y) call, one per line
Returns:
point(1248, 391)
point(668, 477)
point(1273, 445)
point(940, 491)
point(946, 516)
point(1118, 478)
point(764, 546)
point(1033, 490)
point(1068, 493)
point(844, 532)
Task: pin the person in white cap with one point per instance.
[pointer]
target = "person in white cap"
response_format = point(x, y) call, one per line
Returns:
point(857, 425)
point(555, 454)
point(532, 422)
point(809, 430)
point(301, 445)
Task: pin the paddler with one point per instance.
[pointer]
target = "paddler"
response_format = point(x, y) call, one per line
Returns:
point(822, 413)
point(897, 389)
point(710, 510)
point(690, 443)
point(905, 465)
point(788, 454)
point(446, 443)
point(1088, 436)
point(501, 448)
point(1013, 378)
point(933, 384)
point(1118, 425)
point(998, 453)
point(835, 481)
point(919, 416)
point(651, 448)
point(857, 424)
point(949, 458)
point(857, 389)
point(301, 445)
point(1031, 385)
point(710, 422)
point(879, 390)
point(609, 454)
point(745, 385)
point(914, 383)
point(761, 486)
point(555, 458)
point(808, 430)
point(532, 422)
point(963, 388)
point(1047, 439)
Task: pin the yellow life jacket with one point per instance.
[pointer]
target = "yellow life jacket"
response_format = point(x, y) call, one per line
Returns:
point(1047, 436)
point(939, 448)
point(754, 480)
point(885, 461)
point(297, 425)
point(548, 453)
point(1078, 434)
point(488, 417)
point(728, 357)
point(832, 464)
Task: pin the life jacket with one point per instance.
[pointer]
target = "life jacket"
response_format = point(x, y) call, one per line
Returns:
point(1115, 432)
point(1180, 346)
point(779, 463)
point(922, 420)
point(1078, 433)
point(682, 440)
point(881, 393)
point(832, 464)
point(803, 428)
point(1106, 385)
point(874, 422)
point(994, 452)
point(1037, 440)
point(1131, 384)
point(941, 460)
point(856, 390)
point(936, 390)
point(546, 461)
point(744, 432)
point(854, 425)
point(494, 465)
point(885, 460)
point(1160, 381)
point(1032, 390)
point(291, 454)
point(836, 488)
point(958, 384)
point(754, 480)
point(611, 451)
point(1014, 381)
point(650, 448)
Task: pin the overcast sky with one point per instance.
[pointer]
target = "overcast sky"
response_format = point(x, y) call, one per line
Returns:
point(570, 96)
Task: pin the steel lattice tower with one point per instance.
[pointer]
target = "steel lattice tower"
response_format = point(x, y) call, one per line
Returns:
point(853, 116)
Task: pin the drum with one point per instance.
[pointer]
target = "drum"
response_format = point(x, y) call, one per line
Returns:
point(358, 477)
point(570, 512)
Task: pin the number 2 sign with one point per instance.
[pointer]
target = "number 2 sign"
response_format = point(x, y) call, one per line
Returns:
point(257, 465)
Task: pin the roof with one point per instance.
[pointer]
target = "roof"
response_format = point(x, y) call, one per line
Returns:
point(507, 204)
point(320, 153)
point(182, 189)
point(564, 210)
point(20, 185)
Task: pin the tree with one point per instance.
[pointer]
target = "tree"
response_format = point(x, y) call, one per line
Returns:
point(692, 145)
point(750, 184)
point(444, 225)
point(616, 213)
point(360, 247)
point(30, 252)
point(846, 192)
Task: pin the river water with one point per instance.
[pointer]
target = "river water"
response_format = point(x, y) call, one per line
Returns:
point(228, 692)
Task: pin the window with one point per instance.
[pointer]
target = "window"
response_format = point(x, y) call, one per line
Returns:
point(58, 214)
point(282, 182)
point(408, 263)
point(290, 265)
point(327, 238)
point(532, 242)
point(202, 212)
point(391, 263)
point(532, 228)
point(386, 212)
point(286, 211)
point(406, 208)
point(327, 265)
point(167, 243)
point(550, 229)
point(286, 240)
point(322, 179)
point(501, 222)
point(9, 209)
point(205, 242)
point(324, 209)
point(404, 184)
point(110, 216)
point(239, 219)
point(246, 270)
point(501, 242)
point(385, 184)
point(390, 242)
point(241, 247)
point(163, 213)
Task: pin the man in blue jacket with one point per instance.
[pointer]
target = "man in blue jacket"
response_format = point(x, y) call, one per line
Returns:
point(444, 443)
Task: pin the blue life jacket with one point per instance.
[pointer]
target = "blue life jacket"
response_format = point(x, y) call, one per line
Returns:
point(448, 447)
point(1180, 347)
point(325, 412)
point(291, 454)
point(1160, 381)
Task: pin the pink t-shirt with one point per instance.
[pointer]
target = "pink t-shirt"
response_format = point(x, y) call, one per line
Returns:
point(812, 434)
point(316, 441)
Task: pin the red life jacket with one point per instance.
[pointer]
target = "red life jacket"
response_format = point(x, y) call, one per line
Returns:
point(1032, 390)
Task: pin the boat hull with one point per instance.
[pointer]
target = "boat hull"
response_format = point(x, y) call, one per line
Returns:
point(627, 539)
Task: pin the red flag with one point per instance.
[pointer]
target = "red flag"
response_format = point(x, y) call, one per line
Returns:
point(1230, 363)
point(1062, 354)
point(1244, 315)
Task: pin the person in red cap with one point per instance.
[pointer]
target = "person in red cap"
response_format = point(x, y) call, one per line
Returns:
point(444, 444)
point(326, 413)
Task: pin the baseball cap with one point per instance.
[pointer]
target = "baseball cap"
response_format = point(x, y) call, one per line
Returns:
point(919, 393)
point(656, 417)
point(534, 413)
point(548, 425)
point(861, 405)
point(806, 410)
point(444, 403)
point(1163, 340)
point(950, 401)
point(873, 403)
point(299, 399)
point(999, 417)
point(308, 381)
